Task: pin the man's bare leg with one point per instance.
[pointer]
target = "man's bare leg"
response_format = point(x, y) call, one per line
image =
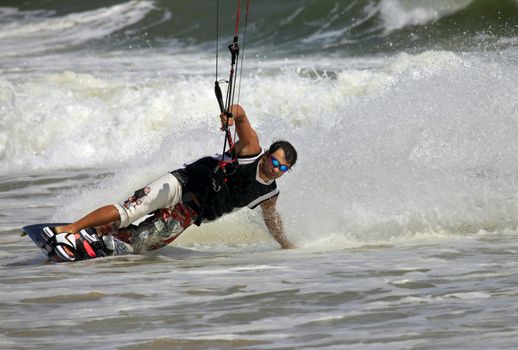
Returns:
point(102, 216)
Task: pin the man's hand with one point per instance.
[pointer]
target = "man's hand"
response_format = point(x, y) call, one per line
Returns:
point(248, 143)
point(227, 119)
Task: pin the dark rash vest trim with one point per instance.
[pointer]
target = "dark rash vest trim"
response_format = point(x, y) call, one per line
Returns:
point(264, 198)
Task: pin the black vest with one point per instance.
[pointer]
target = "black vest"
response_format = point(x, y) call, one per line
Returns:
point(220, 192)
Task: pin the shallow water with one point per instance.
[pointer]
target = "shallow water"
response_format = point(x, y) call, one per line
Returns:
point(429, 293)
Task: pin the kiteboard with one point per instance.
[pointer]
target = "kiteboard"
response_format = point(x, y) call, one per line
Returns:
point(83, 245)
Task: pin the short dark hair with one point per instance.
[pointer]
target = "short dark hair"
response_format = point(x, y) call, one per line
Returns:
point(290, 153)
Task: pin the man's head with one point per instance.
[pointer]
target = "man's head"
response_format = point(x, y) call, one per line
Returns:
point(279, 158)
point(290, 153)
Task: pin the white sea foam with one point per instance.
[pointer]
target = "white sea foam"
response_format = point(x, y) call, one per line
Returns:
point(397, 14)
point(400, 149)
point(127, 118)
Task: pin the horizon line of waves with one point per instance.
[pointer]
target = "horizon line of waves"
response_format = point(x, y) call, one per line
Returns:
point(356, 27)
point(31, 32)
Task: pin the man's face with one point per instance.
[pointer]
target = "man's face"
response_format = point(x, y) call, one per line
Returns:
point(275, 163)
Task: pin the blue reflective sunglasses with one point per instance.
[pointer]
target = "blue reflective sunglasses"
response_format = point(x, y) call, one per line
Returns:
point(277, 164)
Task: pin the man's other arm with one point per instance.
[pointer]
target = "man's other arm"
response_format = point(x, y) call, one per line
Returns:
point(273, 222)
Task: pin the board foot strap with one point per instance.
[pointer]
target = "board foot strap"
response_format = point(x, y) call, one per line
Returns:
point(83, 245)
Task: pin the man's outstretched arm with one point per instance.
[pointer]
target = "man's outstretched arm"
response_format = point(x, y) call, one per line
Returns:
point(273, 221)
point(248, 143)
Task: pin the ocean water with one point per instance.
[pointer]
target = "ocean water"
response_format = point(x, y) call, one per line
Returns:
point(403, 204)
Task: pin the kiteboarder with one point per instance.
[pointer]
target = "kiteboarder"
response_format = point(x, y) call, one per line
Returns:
point(201, 191)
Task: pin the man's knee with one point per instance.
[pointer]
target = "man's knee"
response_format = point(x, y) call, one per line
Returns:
point(164, 192)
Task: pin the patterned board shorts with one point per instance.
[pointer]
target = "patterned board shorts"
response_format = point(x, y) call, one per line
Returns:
point(169, 216)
